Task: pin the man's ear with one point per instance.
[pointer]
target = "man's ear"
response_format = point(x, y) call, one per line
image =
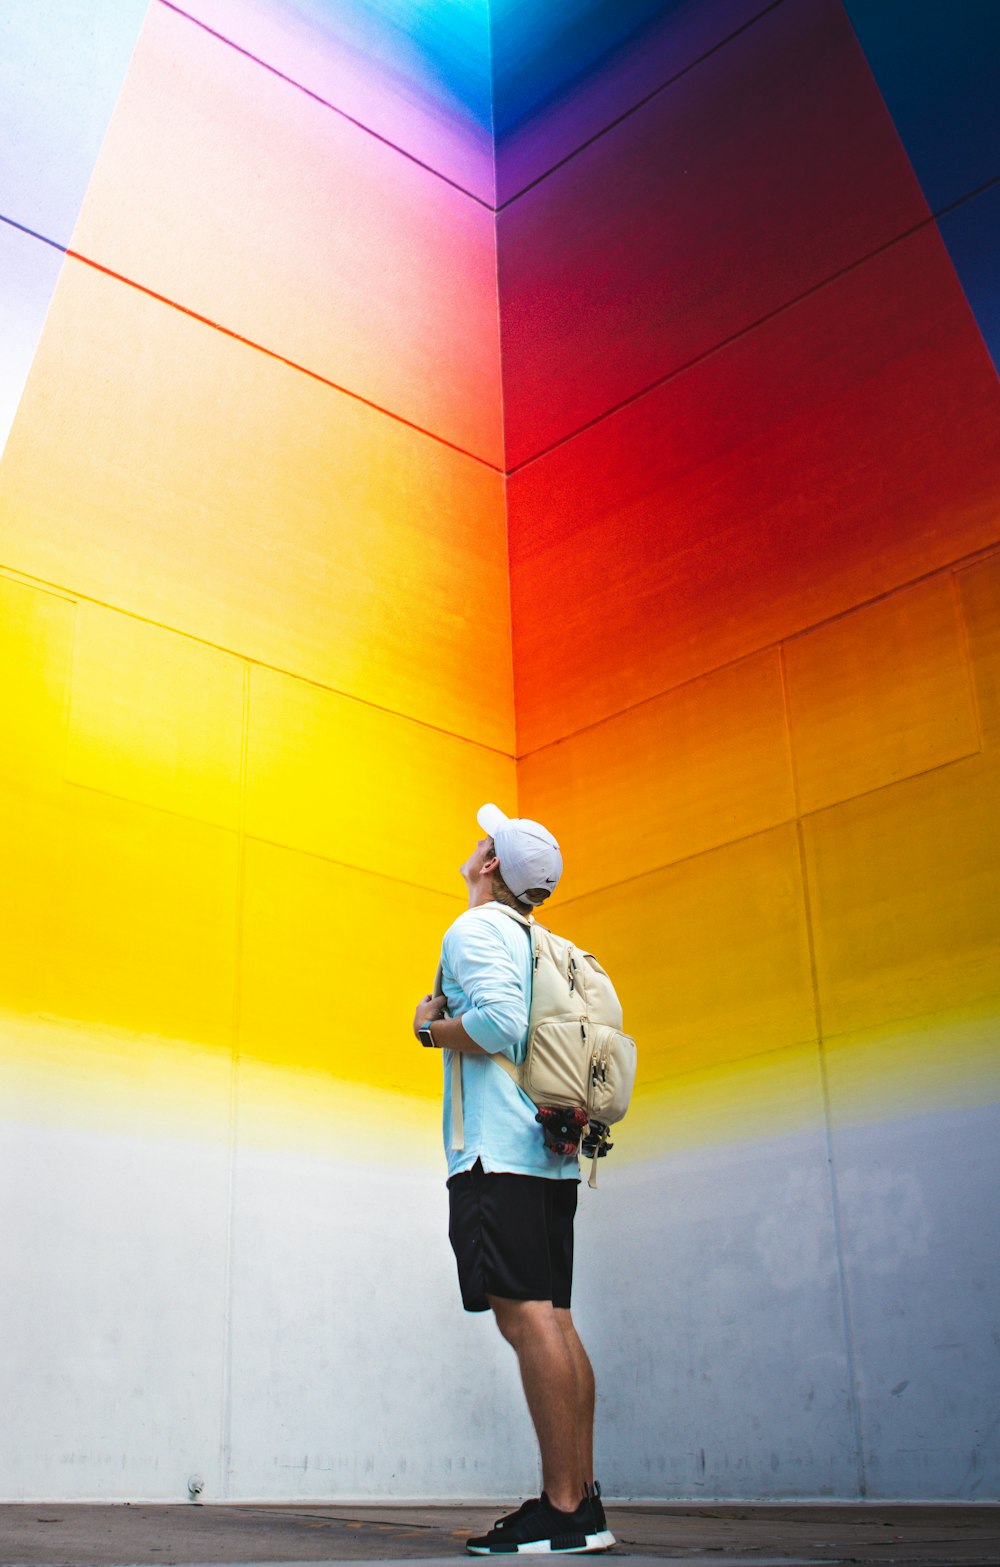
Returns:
point(489, 866)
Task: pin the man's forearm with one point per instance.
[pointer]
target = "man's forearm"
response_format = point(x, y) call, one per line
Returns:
point(449, 1034)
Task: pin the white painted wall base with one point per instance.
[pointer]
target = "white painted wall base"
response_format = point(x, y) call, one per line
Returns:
point(333, 1359)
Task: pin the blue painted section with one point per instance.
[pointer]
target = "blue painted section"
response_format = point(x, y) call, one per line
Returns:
point(541, 49)
point(545, 49)
point(972, 234)
point(937, 64)
point(565, 70)
point(440, 47)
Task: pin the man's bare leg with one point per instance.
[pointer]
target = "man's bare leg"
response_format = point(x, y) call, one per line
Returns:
point(549, 1377)
point(585, 1393)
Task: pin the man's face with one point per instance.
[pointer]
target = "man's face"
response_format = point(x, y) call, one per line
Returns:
point(481, 855)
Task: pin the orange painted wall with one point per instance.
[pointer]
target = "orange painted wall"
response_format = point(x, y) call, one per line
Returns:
point(753, 530)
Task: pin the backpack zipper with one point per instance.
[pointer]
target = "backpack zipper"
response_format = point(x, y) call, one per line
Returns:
point(599, 1061)
point(595, 1059)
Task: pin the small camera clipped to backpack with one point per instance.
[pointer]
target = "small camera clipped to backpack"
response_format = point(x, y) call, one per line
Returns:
point(561, 1129)
point(596, 1143)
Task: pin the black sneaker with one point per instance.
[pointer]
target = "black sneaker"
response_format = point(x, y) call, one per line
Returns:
point(510, 1518)
point(600, 1522)
point(539, 1527)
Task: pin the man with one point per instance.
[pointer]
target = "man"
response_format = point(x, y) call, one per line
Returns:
point(512, 1200)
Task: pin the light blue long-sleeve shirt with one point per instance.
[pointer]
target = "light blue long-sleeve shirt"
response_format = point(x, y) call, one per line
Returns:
point(486, 976)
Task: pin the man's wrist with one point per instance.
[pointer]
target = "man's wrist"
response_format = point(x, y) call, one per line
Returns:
point(425, 1034)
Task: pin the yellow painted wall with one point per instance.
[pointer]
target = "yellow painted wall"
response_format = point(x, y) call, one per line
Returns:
point(252, 546)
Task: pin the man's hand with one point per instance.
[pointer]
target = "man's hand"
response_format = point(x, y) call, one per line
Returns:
point(451, 1035)
point(429, 1010)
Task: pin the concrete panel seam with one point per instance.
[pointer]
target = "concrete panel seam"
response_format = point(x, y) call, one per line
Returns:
point(696, 1072)
point(684, 859)
point(67, 700)
point(349, 865)
point(32, 233)
point(842, 1288)
point(894, 783)
point(802, 816)
point(272, 843)
point(641, 104)
point(790, 751)
point(147, 805)
point(325, 103)
point(70, 596)
point(970, 676)
point(906, 1017)
point(734, 337)
point(271, 353)
point(952, 567)
point(50, 589)
point(226, 1382)
point(503, 431)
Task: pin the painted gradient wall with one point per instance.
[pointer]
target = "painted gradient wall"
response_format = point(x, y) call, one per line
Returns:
point(588, 408)
point(752, 434)
point(253, 542)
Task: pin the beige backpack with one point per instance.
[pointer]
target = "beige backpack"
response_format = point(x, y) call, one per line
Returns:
point(577, 1058)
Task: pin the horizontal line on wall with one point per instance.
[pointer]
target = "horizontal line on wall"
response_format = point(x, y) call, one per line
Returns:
point(785, 821)
point(326, 104)
point(271, 353)
point(726, 342)
point(571, 435)
point(640, 104)
point(962, 563)
point(961, 1008)
point(458, 896)
point(970, 195)
point(39, 585)
point(811, 1042)
point(428, 167)
point(238, 834)
point(668, 865)
point(69, 595)
point(717, 348)
point(151, 805)
point(32, 233)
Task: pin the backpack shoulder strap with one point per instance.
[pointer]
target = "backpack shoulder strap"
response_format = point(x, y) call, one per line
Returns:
point(457, 1116)
point(513, 1071)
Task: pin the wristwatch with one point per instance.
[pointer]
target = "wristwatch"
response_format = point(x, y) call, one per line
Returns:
point(425, 1036)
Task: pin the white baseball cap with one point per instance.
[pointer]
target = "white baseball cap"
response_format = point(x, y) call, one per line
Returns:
point(529, 855)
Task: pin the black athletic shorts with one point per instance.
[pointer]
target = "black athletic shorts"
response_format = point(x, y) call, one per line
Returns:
point(512, 1236)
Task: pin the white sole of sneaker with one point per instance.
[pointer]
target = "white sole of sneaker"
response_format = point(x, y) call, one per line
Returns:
point(593, 1542)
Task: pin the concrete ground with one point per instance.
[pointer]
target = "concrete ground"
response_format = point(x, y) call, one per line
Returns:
point(87, 1534)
